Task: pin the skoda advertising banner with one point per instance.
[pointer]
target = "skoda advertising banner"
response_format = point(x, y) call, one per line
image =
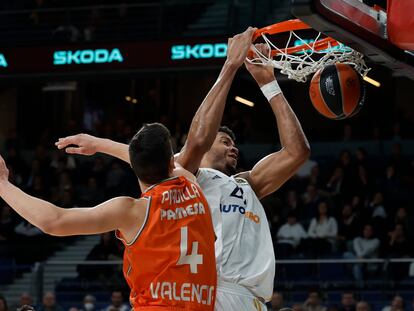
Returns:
point(112, 58)
point(76, 59)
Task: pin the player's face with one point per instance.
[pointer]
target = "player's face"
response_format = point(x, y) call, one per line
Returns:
point(223, 154)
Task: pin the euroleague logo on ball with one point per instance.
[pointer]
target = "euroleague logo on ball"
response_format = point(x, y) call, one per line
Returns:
point(329, 86)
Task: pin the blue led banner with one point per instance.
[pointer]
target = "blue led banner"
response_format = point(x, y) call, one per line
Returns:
point(3, 61)
point(98, 56)
point(112, 58)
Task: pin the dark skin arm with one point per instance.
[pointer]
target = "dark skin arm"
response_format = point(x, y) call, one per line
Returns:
point(275, 169)
point(207, 120)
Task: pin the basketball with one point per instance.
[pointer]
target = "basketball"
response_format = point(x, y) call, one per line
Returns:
point(337, 91)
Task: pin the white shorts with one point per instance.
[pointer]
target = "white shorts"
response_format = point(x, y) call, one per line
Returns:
point(233, 297)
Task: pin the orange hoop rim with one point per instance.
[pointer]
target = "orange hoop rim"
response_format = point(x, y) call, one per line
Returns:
point(292, 25)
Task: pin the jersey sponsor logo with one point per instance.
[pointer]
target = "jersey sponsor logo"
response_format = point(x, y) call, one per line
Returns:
point(202, 294)
point(234, 208)
point(182, 212)
point(238, 193)
point(176, 196)
point(97, 56)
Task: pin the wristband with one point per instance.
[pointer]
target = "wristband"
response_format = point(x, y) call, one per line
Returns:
point(271, 89)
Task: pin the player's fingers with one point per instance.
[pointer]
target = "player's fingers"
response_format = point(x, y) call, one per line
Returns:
point(74, 150)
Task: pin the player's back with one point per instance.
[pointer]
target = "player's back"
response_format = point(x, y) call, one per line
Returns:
point(170, 265)
point(244, 248)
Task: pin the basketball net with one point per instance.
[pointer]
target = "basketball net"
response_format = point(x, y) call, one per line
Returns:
point(299, 65)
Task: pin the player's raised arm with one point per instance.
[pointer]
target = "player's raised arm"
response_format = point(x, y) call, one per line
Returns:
point(54, 220)
point(207, 119)
point(85, 144)
point(273, 170)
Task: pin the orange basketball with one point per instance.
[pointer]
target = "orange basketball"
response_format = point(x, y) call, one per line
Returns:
point(337, 91)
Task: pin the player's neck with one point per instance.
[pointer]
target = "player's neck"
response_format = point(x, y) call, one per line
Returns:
point(144, 186)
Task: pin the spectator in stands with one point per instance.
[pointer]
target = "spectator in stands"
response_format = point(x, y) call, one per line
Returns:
point(311, 199)
point(322, 232)
point(3, 303)
point(335, 183)
point(49, 303)
point(398, 245)
point(289, 237)
point(348, 227)
point(401, 217)
point(313, 303)
point(25, 299)
point(117, 300)
point(292, 205)
point(361, 183)
point(276, 303)
point(347, 302)
point(315, 177)
point(363, 306)
point(26, 308)
point(379, 215)
point(364, 247)
point(361, 156)
point(89, 303)
point(397, 304)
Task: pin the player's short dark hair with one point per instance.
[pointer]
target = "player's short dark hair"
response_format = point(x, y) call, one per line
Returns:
point(228, 131)
point(150, 153)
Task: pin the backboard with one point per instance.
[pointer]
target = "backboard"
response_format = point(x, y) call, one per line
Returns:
point(359, 26)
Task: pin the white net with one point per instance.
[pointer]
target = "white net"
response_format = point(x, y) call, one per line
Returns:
point(298, 66)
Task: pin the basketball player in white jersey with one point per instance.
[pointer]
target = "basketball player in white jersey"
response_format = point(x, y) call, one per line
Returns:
point(244, 251)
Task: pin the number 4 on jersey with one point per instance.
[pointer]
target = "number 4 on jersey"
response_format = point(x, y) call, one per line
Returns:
point(193, 259)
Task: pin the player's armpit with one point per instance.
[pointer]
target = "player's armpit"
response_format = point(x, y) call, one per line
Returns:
point(272, 172)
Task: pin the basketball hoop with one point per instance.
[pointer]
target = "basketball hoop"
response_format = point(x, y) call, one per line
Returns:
point(307, 56)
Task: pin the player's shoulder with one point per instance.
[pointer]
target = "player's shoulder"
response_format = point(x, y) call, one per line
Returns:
point(211, 174)
point(130, 202)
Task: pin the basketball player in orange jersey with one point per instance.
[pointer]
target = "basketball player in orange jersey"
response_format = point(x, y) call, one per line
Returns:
point(244, 250)
point(169, 260)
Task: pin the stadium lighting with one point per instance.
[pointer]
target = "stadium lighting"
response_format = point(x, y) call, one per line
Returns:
point(244, 101)
point(371, 81)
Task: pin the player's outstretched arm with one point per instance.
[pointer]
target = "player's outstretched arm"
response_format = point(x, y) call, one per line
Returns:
point(207, 119)
point(275, 169)
point(85, 144)
point(57, 221)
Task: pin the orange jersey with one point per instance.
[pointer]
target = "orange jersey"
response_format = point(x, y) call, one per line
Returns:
point(170, 265)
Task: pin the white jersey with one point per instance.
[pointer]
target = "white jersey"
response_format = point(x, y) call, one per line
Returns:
point(244, 248)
